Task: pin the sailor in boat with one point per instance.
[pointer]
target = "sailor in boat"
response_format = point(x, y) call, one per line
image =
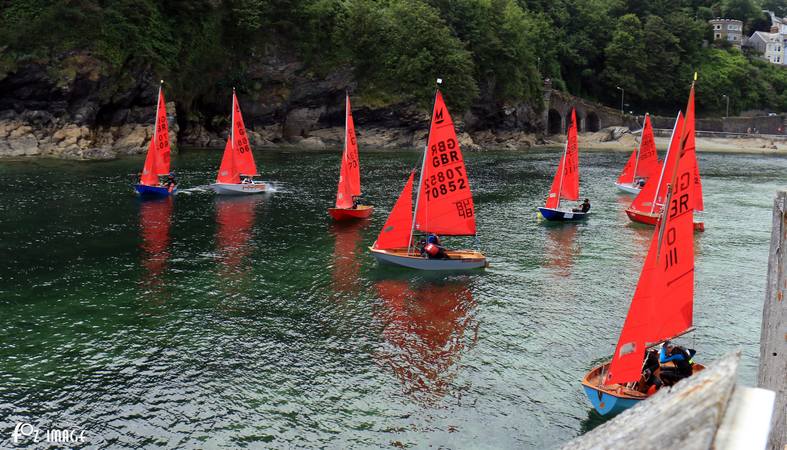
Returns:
point(681, 360)
point(433, 249)
point(650, 382)
point(246, 180)
point(171, 183)
point(583, 208)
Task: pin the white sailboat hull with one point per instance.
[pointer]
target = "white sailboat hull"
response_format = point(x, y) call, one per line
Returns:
point(628, 188)
point(257, 187)
point(459, 259)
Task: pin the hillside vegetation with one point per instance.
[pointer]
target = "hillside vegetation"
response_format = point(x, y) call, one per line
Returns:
point(493, 51)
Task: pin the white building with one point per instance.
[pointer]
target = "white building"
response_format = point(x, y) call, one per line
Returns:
point(769, 45)
point(778, 28)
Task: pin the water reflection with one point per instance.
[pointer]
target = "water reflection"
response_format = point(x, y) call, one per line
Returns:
point(235, 222)
point(345, 265)
point(155, 218)
point(561, 248)
point(428, 325)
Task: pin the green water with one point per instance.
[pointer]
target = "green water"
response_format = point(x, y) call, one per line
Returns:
point(256, 322)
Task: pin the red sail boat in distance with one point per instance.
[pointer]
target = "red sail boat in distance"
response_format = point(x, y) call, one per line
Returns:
point(646, 207)
point(666, 284)
point(444, 205)
point(565, 184)
point(157, 161)
point(643, 163)
point(349, 189)
point(238, 169)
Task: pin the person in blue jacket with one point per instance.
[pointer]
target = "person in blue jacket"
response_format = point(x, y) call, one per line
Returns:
point(681, 360)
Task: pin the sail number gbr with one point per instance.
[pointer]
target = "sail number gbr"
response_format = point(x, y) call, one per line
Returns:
point(444, 182)
point(444, 152)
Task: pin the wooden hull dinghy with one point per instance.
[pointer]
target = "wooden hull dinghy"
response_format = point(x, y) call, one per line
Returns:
point(457, 259)
point(444, 205)
point(662, 307)
point(349, 189)
point(613, 399)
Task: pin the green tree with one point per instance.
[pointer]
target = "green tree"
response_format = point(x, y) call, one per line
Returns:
point(626, 57)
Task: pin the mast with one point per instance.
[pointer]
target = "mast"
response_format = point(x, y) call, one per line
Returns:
point(563, 165)
point(423, 165)
point(232, 123)
point(663, 167)
point(158, 106)
point(346, 109)
point(639, 150)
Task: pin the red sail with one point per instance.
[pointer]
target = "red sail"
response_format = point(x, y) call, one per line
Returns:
point(350, 174)
point(663, 303)
point(565, 185)
point(158, 158)
point(627, 175)
point(644, 162)
point(228, 172)
point(445, 203)
point(690, 146)
point(648, 160)
point(396, 231)
point(240, 141)
point(652, 196)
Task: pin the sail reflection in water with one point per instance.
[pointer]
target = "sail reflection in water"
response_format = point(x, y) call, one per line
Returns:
point(427, 328)
point(155, 218)
point(561, 248)
point(235, 223)
point(345, 265)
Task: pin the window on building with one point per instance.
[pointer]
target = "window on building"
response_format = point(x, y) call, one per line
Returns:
point(717, 36)
point(717, 27)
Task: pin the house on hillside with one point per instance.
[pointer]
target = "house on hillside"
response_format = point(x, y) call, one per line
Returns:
point(779, 26)
point(730, 30)
point(768, 45)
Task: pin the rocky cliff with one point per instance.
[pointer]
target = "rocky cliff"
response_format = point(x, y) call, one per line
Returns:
point(76, 107)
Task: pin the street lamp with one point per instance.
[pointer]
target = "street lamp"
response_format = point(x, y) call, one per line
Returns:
point(622, 94)
point(728, 104)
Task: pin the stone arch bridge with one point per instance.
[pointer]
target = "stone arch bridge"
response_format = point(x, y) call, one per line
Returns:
point(590, 116)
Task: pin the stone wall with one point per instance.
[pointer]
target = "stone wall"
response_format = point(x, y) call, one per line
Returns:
point(763, 124)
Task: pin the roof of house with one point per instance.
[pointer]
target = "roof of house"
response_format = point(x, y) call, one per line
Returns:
point(765, 37)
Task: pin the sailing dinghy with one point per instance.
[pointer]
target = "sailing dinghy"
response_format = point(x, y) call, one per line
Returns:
point(565, 184)
point(157, 161)
point(237, 171)
point(643, 163)
point(349, 176)
point(663, 302)
point(444, 204)
point(646, 207)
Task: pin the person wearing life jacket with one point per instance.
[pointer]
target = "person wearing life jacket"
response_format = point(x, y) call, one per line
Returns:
point(680, 358)
point(583, 208)
point(170, 183)
point(650, 382)
point(433, 248)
